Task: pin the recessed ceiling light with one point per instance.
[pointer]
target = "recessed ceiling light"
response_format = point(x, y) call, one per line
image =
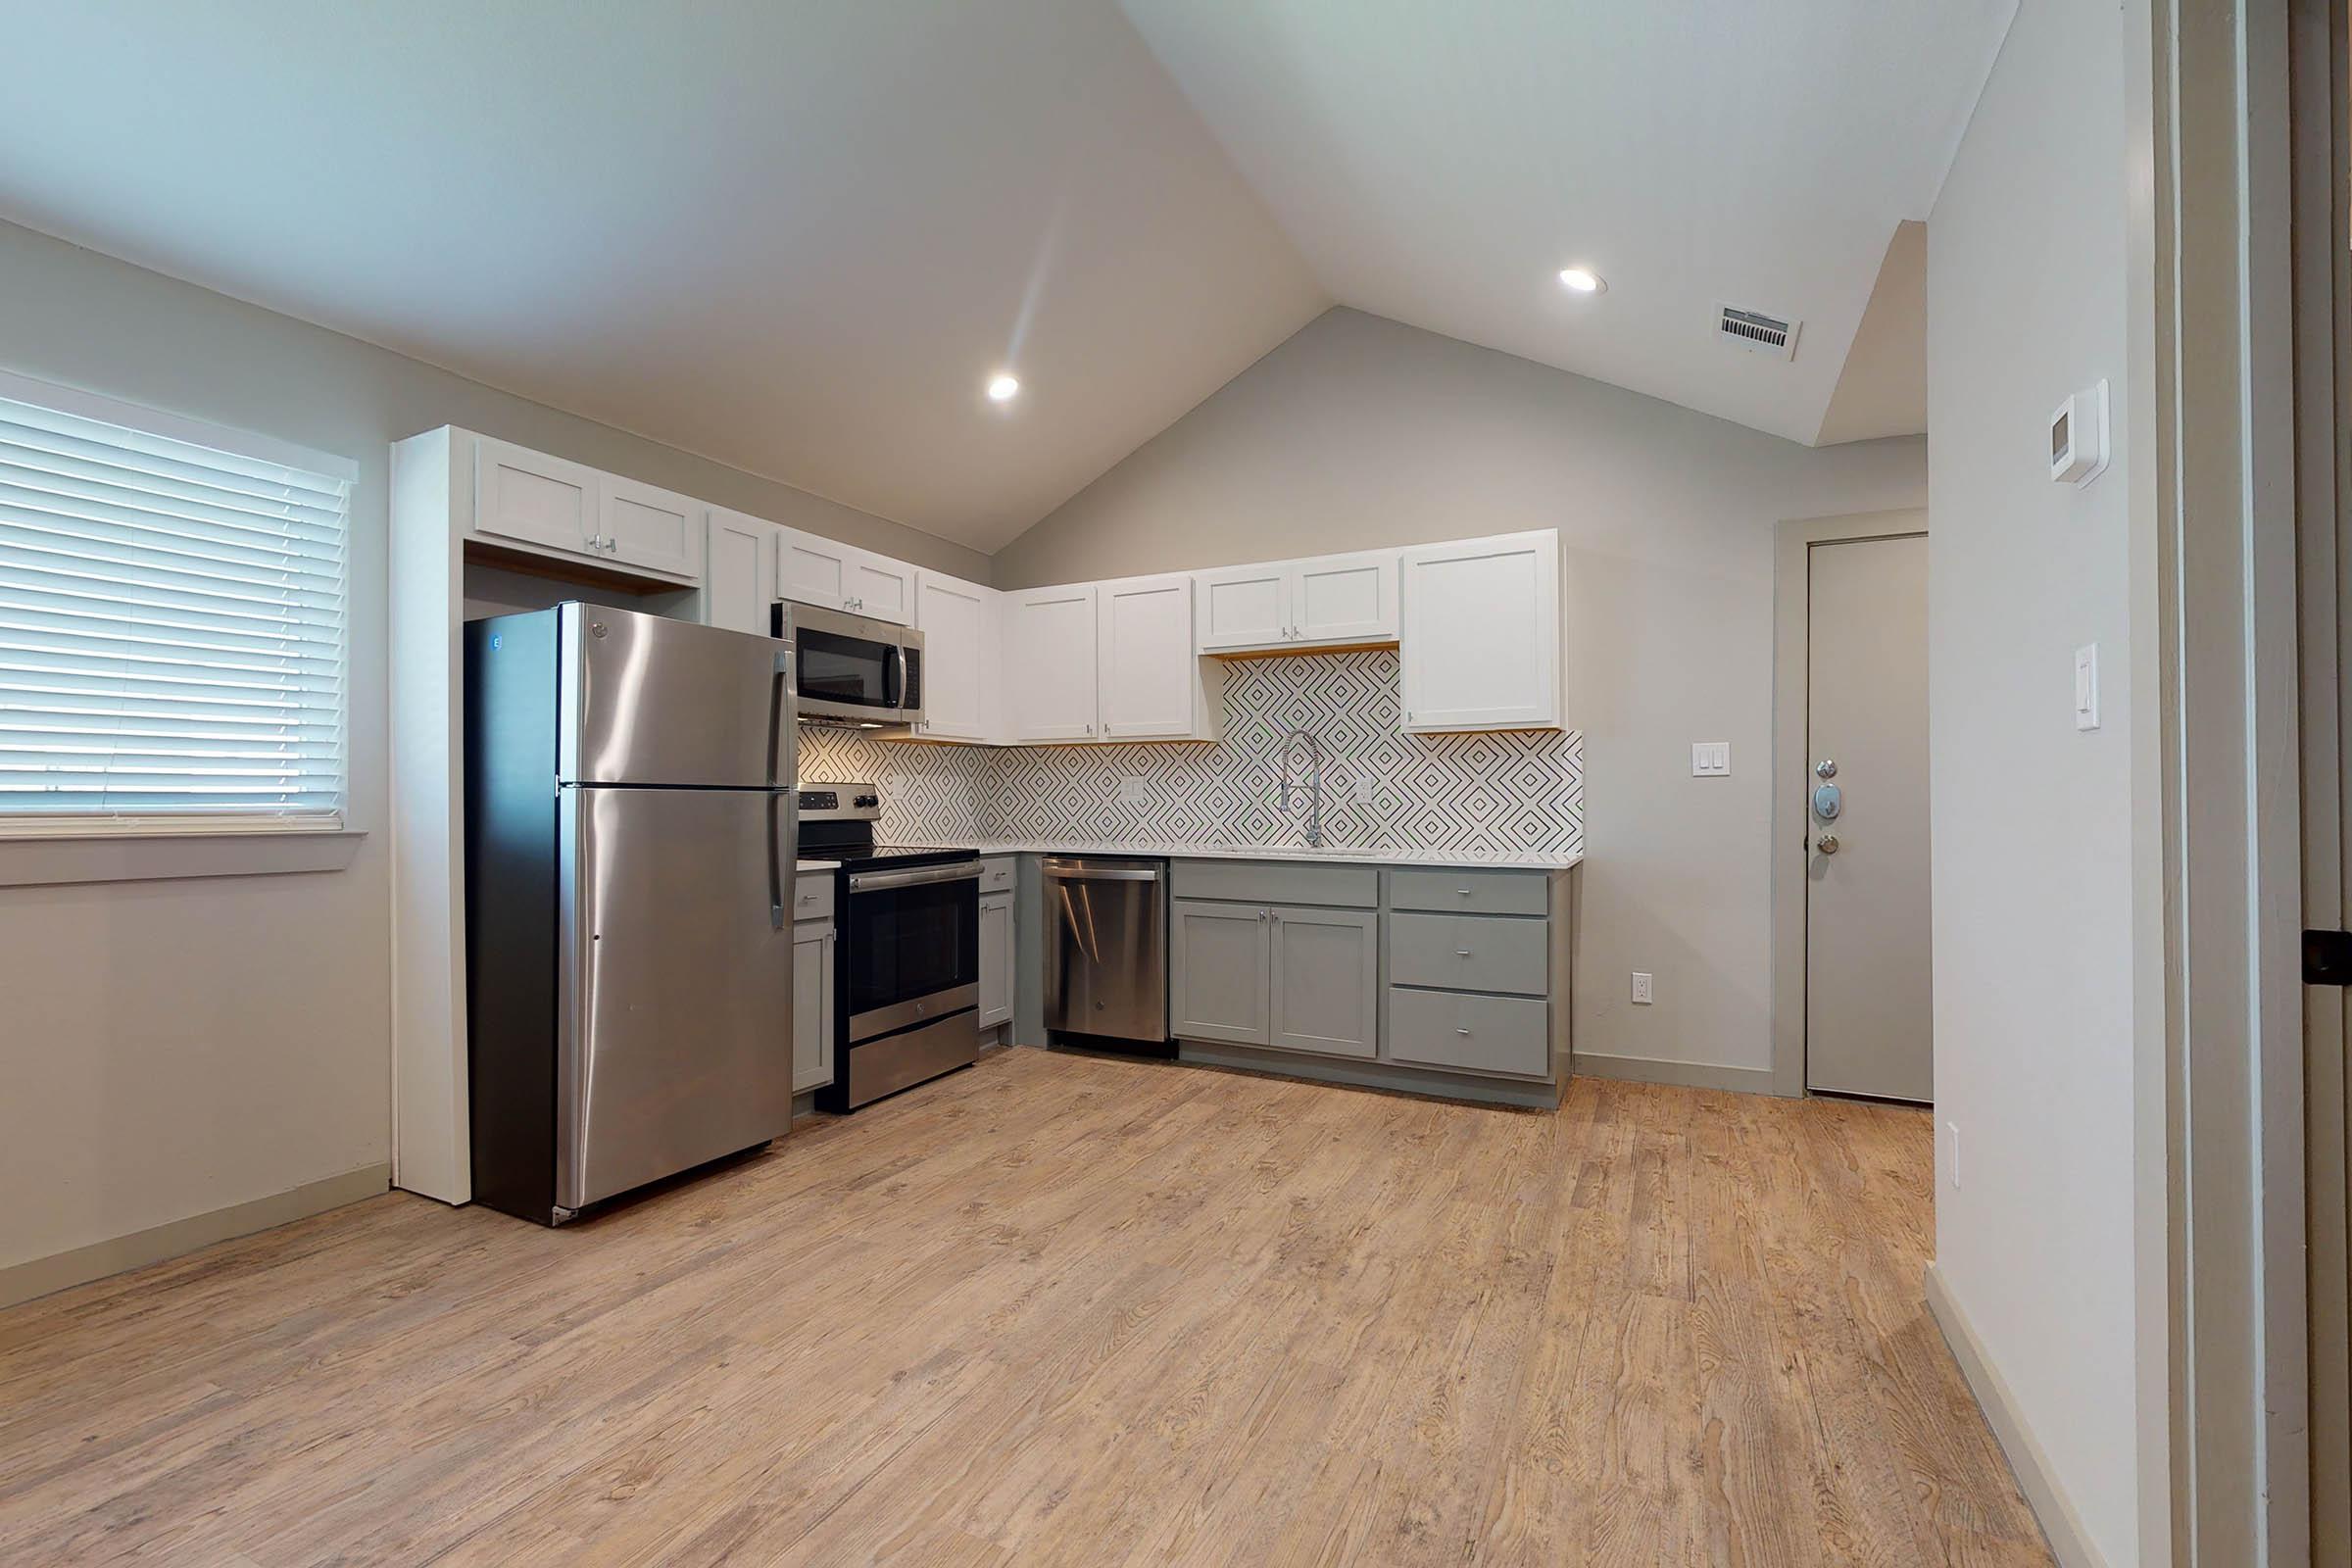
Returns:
point(1582, 281)
point(1002, 389)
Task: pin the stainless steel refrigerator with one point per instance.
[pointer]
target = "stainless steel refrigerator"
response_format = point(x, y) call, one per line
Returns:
point(629, 831)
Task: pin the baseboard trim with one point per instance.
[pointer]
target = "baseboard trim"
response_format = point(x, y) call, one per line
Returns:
point(1681, 1074)
point(2069, 1541)
point(21, 1282)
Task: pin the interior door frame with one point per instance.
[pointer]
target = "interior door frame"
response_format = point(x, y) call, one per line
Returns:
point(1791, 635)
point(2318, 47)
point(2216, 693)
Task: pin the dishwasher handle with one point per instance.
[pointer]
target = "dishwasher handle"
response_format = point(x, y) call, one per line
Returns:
point(1079, 872)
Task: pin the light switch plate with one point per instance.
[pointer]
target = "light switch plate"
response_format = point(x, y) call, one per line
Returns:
point(1643, 992)
point(2086, 686)
point(1710, 759)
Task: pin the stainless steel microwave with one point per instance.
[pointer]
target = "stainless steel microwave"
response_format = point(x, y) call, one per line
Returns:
point(852, 670)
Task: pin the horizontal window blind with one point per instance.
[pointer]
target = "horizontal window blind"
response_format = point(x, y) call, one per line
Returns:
point(172, 632)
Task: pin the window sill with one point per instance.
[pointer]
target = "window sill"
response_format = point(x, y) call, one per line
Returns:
point(39, 861)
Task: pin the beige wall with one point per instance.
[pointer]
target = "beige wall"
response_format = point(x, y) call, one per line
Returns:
point(2034, 819)
point(170, 1048)
point(1360, 431)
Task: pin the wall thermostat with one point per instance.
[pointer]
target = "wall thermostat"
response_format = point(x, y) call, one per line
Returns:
point(2079, 437)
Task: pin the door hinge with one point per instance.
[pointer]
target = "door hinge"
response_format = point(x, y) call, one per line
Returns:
point(2328, 957)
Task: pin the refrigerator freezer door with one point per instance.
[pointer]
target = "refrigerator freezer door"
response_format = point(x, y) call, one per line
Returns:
point(674, 1041)
point(647, 700)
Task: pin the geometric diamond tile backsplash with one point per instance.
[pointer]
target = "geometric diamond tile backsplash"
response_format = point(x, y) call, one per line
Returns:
point(1382, 789)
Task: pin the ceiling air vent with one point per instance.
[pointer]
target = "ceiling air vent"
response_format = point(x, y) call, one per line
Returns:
point(1756, 332)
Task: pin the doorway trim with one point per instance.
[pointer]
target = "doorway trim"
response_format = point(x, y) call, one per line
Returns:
point(1791, 631)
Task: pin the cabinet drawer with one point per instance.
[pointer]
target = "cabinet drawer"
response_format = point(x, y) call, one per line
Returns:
point(995, 874)
point(1469, 952)
point(1470, 892)
point(813, 895)
point(1354, 887)
point(1470, 1033)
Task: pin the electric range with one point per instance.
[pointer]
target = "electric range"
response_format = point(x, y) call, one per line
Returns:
point(906, 948)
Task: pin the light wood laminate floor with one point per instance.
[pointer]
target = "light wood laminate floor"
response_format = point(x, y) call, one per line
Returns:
point(1063, 1309)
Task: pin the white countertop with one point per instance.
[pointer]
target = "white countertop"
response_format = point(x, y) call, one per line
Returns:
point(1355, 854)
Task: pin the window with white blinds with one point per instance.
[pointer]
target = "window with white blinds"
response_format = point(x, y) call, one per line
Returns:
point(171, 623)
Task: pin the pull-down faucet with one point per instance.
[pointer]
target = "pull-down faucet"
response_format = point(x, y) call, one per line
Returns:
point(1313, 783)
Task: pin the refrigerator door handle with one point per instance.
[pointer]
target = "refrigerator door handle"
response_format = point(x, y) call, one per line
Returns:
point(777, 891)
point(779, 689)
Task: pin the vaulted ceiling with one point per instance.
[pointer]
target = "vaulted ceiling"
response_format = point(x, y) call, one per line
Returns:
point(1439, 164)
point(800, 237)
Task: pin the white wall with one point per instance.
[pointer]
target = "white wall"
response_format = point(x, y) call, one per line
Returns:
point(1360, 431)
point(2032, 821)
point(170, 1048)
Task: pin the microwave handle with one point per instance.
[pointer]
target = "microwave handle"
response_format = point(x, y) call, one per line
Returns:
point(897, 684)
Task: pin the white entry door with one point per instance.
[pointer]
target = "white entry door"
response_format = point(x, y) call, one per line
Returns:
point(1869, 1026)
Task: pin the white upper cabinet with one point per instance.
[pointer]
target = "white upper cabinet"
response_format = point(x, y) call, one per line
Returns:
point(647, 527)
point(810, 571)
point(882, 588)
point(533, 498)
point(546, 505)
point(1323, 602)
point(1480, 633)
point(737, 572)
point(1345, 599)
point(815, 570)
point(1244, 606)
point(958, 623)
point(1150, 683)
point(1049, 667)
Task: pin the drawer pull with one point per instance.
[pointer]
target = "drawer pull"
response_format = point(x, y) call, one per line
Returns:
point(1461, 1031)
point(1462, 953)
point(1465, 892)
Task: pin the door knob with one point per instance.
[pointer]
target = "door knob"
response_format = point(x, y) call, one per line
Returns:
point(1827, 843)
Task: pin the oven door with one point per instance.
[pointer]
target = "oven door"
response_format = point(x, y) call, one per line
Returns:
point(912, 950)
point(849, 667)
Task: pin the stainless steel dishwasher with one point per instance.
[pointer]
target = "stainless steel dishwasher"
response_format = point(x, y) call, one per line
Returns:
point(1107, 950)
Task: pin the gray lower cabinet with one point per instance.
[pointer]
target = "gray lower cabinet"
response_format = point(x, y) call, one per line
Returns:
point(1221, 956)
point(996, 958)
point(1326, 970)
point(812, 1005)
point(1468, 1032)
point(1469, 952)
point(1457, 979)
point(1293, 978)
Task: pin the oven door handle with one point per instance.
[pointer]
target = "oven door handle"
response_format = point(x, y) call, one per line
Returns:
point(877, 881)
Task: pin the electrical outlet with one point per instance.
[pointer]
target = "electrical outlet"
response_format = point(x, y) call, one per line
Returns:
point(1367, 789)
point(1710, 759)
point(1951, 1141)
point(1643, 996)
point(1134, 790)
